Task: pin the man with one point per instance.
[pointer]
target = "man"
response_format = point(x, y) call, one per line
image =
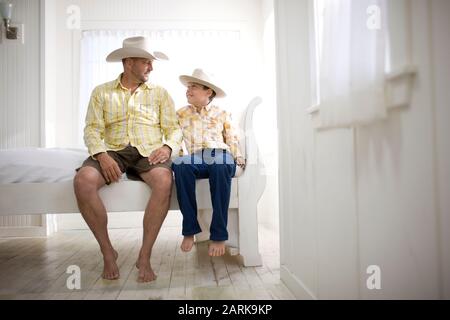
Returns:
point(126, 122)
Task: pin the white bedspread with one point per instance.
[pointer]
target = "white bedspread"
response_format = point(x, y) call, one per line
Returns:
point(38, 165)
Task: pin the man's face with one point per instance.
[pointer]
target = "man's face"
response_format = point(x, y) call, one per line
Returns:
point(197, 95)
point(141, 68)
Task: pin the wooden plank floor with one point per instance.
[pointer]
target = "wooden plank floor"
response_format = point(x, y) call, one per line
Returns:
point(35, 268)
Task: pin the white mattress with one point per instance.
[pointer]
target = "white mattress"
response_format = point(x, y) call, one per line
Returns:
point(39, 165)
point(44, 165)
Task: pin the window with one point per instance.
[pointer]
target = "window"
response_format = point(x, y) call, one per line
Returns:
point(350, 54)
point(392, 77)
point(217, 51)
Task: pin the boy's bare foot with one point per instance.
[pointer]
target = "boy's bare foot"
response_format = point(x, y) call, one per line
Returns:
point(188, 242)
point(216, 248)
point(110, 268)
point(146, 273)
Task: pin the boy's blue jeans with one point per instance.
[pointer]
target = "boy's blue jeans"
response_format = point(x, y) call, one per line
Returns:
point(219, 167)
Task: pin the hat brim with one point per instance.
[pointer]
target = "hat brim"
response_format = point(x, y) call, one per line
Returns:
point(122, 53)
point(185, 80)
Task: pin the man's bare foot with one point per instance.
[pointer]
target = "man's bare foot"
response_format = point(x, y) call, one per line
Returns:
point(146, 273)
point(216, 248)
point(188, 242)
point(110, 268)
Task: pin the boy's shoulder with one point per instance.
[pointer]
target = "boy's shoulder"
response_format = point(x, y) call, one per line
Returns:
point(183, 111)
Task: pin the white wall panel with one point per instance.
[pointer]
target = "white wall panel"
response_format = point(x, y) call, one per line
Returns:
point(20, 85)
point(380, 195)
point(441, 71)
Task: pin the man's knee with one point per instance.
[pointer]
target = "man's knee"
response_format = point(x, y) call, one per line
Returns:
point(164, 182)
point(161, 180)
point(87, 180)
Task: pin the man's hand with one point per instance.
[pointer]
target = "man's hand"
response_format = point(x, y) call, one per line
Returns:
point(160, 155)
point(110, 168)
point(240, 161)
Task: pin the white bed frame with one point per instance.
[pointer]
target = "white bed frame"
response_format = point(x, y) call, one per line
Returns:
point(127, 196)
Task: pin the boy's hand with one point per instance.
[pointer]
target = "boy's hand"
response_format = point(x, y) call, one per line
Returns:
point(240, 161)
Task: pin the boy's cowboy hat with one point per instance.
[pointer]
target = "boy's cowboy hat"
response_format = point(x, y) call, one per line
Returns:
point(201, 77)
point(135, 47)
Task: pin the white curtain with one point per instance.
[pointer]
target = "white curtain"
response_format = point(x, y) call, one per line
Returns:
point(353, 36)
point(217, 51)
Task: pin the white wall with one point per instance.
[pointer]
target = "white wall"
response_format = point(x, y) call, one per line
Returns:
point(441, 70)
point(20, 81)
point(20, 100)
point(375, 195)
point(266, 128)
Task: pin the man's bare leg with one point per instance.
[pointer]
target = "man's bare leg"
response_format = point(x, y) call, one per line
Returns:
point(160, 181)
point(87, 182)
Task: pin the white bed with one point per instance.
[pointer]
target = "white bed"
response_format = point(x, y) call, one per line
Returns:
point(40, 181)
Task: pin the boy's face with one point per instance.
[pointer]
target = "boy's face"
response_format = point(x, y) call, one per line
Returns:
point(197, 95)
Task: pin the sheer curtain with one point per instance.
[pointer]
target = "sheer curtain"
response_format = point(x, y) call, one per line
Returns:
point(213, 50)
point(352, 61)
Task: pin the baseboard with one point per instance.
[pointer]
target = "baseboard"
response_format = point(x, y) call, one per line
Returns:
point(297, 287)
point(6, 232)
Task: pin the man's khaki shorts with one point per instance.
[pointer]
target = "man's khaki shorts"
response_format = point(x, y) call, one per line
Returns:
point(130, 162)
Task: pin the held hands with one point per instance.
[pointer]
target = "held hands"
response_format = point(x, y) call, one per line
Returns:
point(160, 155)
point(110, 168)
point(240, 161)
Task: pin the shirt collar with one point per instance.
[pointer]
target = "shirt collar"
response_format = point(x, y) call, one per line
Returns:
point(118, 84)
point(207, 108)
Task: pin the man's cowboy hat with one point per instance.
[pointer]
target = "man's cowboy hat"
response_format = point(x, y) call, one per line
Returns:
point(135, 47)
point(201, 77)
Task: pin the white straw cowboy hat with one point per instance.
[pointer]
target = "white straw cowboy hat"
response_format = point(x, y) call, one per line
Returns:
point(201, 77)
point(135, 47)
